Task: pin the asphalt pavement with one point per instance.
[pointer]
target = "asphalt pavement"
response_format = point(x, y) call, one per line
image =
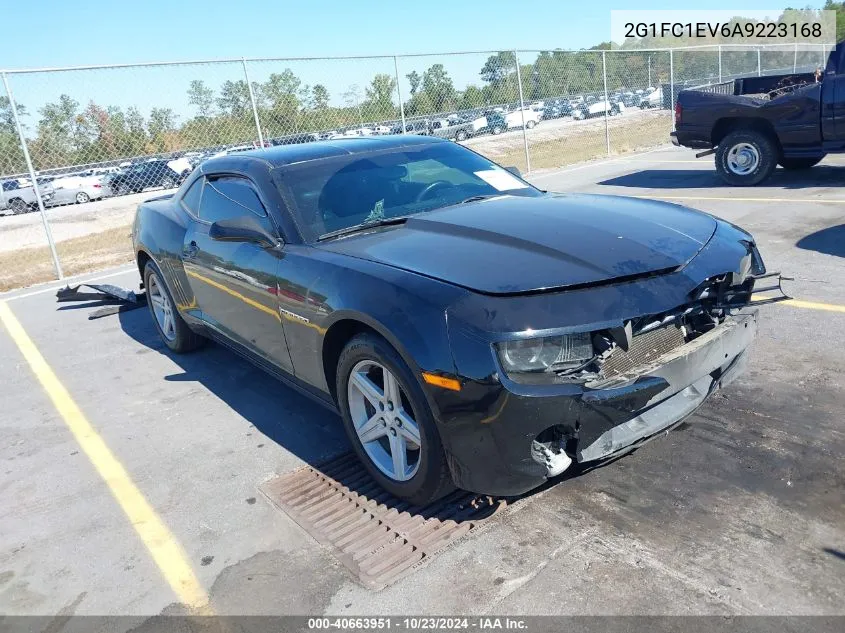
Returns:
point(132, 487)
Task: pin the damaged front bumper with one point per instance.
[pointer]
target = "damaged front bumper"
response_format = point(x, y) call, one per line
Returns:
point(684, 377)
point(525, 435)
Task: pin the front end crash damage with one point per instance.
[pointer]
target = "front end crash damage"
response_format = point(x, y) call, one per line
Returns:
point(648, 374)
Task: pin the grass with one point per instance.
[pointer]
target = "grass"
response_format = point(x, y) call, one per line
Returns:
point(78, 255)
point(583, 145)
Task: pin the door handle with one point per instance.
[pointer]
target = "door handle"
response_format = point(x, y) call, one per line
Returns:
point(190, 251)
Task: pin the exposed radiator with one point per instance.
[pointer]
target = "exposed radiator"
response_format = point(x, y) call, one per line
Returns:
point(644, 348)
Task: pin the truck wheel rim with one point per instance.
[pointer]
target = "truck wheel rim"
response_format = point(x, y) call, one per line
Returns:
point(162, 308)
point(384, 421)
point(743, 159)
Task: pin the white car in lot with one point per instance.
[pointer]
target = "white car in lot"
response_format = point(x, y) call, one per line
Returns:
point(515, 119)
point(18, 195)
point(76, 190)
point(653, 98)
point(598, 108)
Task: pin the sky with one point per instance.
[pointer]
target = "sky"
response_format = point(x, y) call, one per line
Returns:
point(81, 32)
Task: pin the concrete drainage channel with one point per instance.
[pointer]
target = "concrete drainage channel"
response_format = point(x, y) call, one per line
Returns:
point(378, 537)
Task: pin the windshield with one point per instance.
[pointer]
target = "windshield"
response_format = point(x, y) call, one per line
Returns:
point(338, 193)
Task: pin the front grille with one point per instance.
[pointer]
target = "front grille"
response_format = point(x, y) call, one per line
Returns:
point(644, 348)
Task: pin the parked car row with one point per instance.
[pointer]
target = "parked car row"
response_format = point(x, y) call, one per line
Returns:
point(167, 172)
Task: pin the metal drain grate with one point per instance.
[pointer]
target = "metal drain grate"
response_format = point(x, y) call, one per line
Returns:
point(377, 536)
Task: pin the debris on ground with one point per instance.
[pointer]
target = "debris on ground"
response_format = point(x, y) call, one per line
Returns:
point(115, 298)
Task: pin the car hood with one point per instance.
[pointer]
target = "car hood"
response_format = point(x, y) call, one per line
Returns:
point(512, 244)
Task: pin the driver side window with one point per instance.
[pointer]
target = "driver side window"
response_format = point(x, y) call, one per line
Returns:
point(229, 197)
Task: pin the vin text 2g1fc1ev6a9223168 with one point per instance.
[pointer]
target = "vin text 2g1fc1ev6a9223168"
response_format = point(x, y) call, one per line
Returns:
point(470, 329)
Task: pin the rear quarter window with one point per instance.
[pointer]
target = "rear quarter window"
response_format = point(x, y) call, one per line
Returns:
point(193, 196)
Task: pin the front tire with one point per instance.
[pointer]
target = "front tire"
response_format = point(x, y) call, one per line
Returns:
point(746, 157)
point(529, 124)
point(389, 423)
point(497, 130)
point(172, 329)
point(799, 163)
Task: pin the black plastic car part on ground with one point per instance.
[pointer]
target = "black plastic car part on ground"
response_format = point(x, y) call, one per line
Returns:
point(472, 330)
point(757, 123)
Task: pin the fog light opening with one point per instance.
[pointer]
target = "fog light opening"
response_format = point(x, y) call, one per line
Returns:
point(549, 450)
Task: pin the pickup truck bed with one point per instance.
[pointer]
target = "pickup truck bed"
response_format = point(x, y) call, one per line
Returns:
point(756, 123)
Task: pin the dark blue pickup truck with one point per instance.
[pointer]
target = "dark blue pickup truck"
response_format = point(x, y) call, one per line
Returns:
point(756, 123)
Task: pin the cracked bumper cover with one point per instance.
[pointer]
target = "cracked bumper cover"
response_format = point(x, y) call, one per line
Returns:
point(491, 452)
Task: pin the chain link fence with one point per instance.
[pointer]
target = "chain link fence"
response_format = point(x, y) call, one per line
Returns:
point(82, 135)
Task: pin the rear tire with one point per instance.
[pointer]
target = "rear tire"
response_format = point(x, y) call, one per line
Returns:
point(746, 157)
point(799, 163)
point(529, 124)
point(497, 130)
point(174, 332)
point(461, 136)
point(82, 197)
point(430, 479)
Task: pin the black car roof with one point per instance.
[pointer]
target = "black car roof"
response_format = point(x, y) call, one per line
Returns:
point(290, 154)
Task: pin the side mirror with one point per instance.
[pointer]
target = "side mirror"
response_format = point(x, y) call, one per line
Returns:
point(245, 228)
point(515, 171)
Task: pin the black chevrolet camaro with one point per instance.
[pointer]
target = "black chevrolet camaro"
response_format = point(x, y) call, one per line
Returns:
point(470, 329)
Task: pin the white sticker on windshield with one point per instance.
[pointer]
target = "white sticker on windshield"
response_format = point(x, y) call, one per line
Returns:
point(500, 179)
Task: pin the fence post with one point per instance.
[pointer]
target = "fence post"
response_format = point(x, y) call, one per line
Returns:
point(759, 73)
point(606, 102)
point(522, 112)
point(720, 63)
point(56, 264)
point(795, 59)
point(672, 85)
point(399, 93)
point(254, 106)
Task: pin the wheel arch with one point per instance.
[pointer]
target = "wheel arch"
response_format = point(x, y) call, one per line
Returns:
point(726, 125)
point(141, 258)
point(344, 327)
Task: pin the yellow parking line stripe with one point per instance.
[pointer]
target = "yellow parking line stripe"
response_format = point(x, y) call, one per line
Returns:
point(159, 541)
point(809, 305)
point(742, 199)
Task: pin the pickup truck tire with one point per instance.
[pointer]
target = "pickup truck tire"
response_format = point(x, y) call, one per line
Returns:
point(799, 163)
point(746, 157)
point(18, 206)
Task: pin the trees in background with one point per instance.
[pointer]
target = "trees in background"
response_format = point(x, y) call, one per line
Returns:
point(64, 132)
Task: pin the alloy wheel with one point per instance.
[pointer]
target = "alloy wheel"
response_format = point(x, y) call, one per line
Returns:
point(384, 421)
point(162, 308)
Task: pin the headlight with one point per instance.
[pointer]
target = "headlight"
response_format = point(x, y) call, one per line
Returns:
point(551, 353)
